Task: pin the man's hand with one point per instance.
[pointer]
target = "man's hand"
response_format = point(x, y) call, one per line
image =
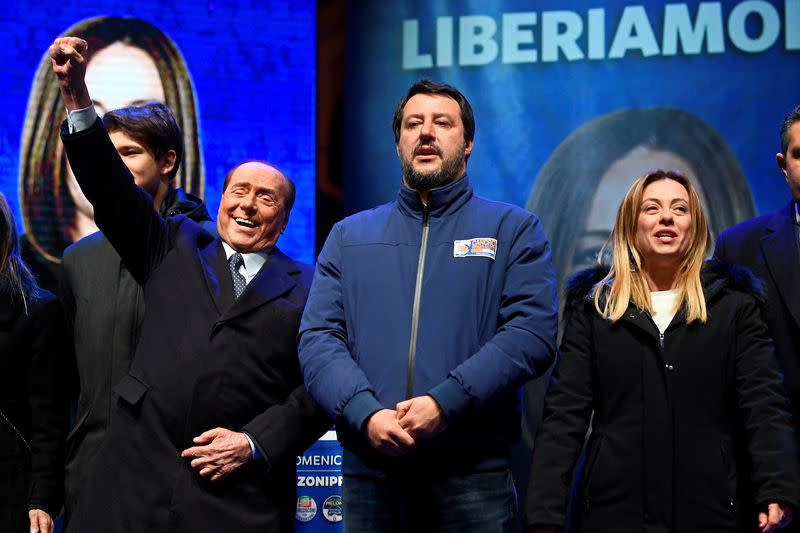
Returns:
point(221, 452)
point(385, 434)
point(421, 417)
point(41, 522)
point(776, 516)
point(68, 57)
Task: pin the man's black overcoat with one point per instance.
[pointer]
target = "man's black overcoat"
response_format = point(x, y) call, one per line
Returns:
point(204, 360)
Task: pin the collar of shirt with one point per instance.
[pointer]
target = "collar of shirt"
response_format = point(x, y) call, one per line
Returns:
point(253, 261)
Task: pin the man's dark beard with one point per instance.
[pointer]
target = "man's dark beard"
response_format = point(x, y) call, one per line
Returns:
point(447, 173)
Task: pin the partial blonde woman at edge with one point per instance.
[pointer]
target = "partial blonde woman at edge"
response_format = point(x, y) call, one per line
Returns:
point(33, 411)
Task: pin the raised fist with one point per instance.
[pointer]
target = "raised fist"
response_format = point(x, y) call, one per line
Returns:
point(68, 57)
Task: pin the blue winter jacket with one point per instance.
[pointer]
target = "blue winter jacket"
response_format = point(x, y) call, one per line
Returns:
point(482, 323)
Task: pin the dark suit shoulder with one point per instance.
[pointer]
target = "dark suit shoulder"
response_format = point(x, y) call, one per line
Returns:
point(754, 227)
point(739, 243)
point(746, 229)
point(306, 274)
point(85, 245)
point(303, 268)
point(187, 232)
point(301, 271)
point(90, 266)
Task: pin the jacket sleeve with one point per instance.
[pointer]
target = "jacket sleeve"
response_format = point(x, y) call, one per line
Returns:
point(567, 413)
point(331, 375)
point(285, 430)
point(48, 408)
point(765, 410)
point(525, 343)
point(122, 211)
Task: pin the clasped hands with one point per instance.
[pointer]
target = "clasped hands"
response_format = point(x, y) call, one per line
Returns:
point(394, 432)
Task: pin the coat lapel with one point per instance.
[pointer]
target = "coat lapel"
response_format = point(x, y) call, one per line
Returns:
point(217, 275)
point(273, 280)
point(780, 247)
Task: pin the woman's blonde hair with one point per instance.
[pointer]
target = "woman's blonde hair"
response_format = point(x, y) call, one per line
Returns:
point(626, 283)
point(16, 281)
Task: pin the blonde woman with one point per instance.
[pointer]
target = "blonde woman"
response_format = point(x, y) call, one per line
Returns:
point(668, 356)
point(33, 414)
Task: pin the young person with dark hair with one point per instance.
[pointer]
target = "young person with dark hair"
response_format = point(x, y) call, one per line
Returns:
point(103, 302)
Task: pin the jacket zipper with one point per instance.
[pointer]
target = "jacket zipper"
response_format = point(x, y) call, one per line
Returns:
point(412, 345)
point(17, 431)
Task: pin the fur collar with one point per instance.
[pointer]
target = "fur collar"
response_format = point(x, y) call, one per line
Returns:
point(715, 276)
point(579, 286)
point(718, 274)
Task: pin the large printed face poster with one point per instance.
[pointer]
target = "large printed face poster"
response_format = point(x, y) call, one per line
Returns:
point(240, 79)
point(574, 100)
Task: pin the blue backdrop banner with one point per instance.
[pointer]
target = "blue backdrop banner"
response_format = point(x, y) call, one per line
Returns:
point(240, 77)
point(573, 100)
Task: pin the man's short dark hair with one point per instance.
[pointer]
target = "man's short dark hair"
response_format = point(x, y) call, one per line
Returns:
point(153, 126)
point(441, 89)
point(290, 188)
point(788, 121)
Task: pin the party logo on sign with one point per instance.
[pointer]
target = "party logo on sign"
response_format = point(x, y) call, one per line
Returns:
point(332, 508)
point(306, 508)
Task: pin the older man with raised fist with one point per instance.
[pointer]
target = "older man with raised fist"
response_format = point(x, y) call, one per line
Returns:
point(213, 411)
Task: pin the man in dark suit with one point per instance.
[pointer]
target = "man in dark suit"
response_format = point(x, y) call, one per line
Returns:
point(770, 246)
point(212, 412)
point(103, 303)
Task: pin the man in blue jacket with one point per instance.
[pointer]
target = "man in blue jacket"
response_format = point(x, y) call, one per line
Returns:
point(425, 317)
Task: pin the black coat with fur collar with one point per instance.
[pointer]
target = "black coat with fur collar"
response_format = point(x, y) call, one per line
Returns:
point(33, 408)
point(691, 429)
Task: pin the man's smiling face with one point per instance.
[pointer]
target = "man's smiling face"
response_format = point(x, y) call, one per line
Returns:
point(252, 213)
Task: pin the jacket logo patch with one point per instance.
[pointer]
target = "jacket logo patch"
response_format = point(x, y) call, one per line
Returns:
point(477, 247)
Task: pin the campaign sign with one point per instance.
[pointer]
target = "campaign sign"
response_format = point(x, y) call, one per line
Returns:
point(574, 100)
point(319, 487)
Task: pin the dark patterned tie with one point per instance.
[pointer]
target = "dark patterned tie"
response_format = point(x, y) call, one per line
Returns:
point(235, 262)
